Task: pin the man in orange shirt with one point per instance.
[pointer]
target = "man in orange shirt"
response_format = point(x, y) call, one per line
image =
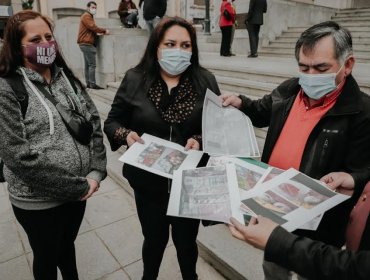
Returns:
point(318, 123)
point(86, 40)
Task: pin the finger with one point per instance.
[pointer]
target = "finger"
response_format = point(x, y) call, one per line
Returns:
point(236, 224)
point(327, 178)
point(227, 101)
point(189, 144)
point(236, 233)
point(254, 220)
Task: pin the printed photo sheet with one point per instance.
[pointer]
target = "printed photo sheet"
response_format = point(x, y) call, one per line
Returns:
point(226, 130)
point(160, 156)
point(209, 193)
point(292, 199)
point(248, 174)
point(272, 172)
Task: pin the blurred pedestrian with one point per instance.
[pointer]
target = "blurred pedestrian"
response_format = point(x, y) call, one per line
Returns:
point(128, 13)
point(235, 25)
point(227, 19)
point(253, 22)
point(87, 34)
point(154, 10)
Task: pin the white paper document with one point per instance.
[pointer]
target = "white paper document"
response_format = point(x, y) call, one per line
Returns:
point(208, 193)
point(160, 156)
point(248, 174)
point(226, 130)
point(292, 199)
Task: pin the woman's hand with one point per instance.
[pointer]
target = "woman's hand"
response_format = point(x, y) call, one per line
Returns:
point(133, 137)
point(257, 233)
point(93, 187)
point(192, 144)
point(231, 99)
point(342, 182)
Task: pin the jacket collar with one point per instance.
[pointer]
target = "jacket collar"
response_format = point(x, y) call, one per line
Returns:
point(36, 77)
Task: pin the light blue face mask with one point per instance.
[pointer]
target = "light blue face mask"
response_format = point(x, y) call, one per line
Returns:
point(318, 85)
point(174, 61)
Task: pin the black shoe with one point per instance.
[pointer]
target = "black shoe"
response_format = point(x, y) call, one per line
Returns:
point(253, 55)
point(94, 86)
point(232, 54)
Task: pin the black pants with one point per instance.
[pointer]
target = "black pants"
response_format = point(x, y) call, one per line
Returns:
point(253, 32)
point(155, 227)
point(226, 40)
point(51, 234)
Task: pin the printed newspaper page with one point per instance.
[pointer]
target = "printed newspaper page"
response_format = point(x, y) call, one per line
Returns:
point(292, 199)
point(160, 156)
point(209, 193)
point(248, 174)
point(226, 130)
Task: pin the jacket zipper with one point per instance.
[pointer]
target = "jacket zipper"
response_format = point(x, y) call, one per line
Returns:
point(169, 180)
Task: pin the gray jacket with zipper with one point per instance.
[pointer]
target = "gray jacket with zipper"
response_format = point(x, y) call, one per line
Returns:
point(44, 165)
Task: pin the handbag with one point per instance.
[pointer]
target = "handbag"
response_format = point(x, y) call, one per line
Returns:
point(227, 14)
point(77, 125)
point(358, 219)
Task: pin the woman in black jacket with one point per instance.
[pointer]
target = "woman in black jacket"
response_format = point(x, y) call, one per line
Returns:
point(162, 96)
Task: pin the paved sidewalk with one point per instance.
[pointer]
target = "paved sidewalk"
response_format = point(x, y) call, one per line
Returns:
point(108, 246)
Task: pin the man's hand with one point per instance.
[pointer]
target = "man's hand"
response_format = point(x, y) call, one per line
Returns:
point(342, 182)
point(94, 186)
point(107, 32)
point(133, 137)
point(192, 144)
point(231, 99)
point(256, 233)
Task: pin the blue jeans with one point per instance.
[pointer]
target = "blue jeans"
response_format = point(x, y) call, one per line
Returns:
point(89, 52)
point(152, 23)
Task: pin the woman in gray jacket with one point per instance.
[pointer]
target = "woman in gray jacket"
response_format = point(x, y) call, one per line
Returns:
point(50, 173)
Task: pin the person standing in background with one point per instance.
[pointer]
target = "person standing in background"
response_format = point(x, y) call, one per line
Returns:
point(227, 19)
point(154, 10)
point(235, 25)
point(254, 21)
point(87, 41)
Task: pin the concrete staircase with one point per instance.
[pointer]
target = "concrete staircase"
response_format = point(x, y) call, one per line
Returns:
point(232, 258)
point(355, 20)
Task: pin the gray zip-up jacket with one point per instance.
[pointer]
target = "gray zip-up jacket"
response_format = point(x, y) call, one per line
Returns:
point(44, 165)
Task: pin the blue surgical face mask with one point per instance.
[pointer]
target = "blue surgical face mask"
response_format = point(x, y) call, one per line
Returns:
point(318, 85)
point(174, 61)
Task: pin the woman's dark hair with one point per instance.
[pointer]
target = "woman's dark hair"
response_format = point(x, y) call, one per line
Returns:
point(11, 55)
point(149, 62)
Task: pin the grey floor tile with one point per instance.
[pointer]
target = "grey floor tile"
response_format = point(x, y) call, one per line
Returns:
point(117, 275)
point(109, 207)
point(169, 267)
point(124, 239)
point(15, 269)
point(107, 186)
point(6, 211)
point(10, 242)
point(93, 259)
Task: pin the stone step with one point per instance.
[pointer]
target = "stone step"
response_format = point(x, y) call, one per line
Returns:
point(353, 24)
point(118, 30)
point(258, 75)
point(349, 19)
point(113, 86)
point(363, 57)
point(294, 40)
point(358, 14)
point(295, 34)
point(291, 45)
point(364, 28)
point(353, 10)
point(231, 257)
point(244, 86)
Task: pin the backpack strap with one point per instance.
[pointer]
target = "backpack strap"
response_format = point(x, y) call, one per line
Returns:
point(19, 90)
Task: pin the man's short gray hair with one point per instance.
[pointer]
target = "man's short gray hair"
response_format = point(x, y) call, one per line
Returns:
point(341, 36)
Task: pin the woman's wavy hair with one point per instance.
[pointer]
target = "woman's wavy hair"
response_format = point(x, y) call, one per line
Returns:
point(11, 55)
point(149, 62)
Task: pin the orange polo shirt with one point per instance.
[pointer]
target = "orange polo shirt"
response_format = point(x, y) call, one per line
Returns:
point(302, 119)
